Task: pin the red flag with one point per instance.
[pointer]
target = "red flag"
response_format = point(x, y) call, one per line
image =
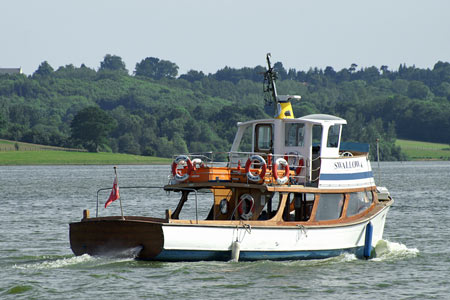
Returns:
point(114, 193)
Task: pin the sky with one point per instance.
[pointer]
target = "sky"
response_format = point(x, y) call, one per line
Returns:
point(207, 35)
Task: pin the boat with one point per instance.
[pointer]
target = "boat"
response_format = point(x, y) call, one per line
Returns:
point(289, 189)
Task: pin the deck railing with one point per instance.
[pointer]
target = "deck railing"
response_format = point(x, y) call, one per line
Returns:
point(238, 160)
point(148, 187)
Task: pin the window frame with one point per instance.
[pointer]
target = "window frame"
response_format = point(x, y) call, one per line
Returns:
point(257, 138)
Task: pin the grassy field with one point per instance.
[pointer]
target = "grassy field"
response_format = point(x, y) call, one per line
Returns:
point(6, 145)
point(75, 158)
point(18, 153)
point(424, 151)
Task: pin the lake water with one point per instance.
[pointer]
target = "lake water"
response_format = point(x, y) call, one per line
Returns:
point(38, 203)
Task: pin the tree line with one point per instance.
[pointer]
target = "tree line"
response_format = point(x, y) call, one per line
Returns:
point(154, 111)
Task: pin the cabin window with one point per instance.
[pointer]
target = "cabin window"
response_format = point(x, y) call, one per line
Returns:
point(333, 136)
point(329, 207)
point(272, 204)
point(263, 137)
point(294, 134)
point(246, 142)
point(300, 206)
point(359, 202)
point(316, 135)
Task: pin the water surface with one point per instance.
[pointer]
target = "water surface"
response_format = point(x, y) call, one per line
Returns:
point(38, 203)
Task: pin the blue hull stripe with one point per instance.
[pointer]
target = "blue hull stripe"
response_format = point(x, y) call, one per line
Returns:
point(350, 176)
point(199, 255)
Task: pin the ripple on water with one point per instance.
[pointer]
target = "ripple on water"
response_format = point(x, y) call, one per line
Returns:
point(18, 289)
point(56, 263)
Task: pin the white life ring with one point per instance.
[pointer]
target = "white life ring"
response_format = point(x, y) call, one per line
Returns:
point(181, 160)
point(246, 206)
point(285, 165)
point(197, 163)
point(250, 175)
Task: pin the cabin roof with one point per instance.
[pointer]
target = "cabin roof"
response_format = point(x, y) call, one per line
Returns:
point(255, 121)
point(322, 118)
point(315, 119)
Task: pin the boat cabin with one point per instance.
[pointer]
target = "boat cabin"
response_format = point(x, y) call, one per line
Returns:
point(303, 141)
point(274, 204)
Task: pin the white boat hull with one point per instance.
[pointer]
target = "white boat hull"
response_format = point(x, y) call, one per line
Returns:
point(203, 242)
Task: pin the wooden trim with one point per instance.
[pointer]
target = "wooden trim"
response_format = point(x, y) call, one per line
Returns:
point(312, 218)
point(277, 220)
point(344, 209)
point(264, 187)
point(279, 215)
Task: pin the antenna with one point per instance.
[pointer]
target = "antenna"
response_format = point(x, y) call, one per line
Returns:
point(280, 105)
point(269, 85)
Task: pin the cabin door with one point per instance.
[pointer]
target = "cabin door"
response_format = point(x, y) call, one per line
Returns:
point(316, 153)
point(263, 138)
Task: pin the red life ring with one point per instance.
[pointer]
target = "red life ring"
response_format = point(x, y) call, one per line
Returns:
point(250, 175)
point(283, 163)
point(246, 206)
point(179, 160)
point(301, 164)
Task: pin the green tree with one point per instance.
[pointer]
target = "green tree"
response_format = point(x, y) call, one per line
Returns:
point(91, 127)
point(127, 144)
point(44, 69)
point(418, 90)
point(281, 71)
point(113, 63)
point(155, 68)
point(193, 75)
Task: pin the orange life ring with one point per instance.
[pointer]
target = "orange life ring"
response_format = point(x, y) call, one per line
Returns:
point(250, 175)
point(246, 206)
point(181, 159)
point(281, 161)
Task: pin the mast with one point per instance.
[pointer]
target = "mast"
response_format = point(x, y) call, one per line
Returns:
point(269, 78)
point(280, 105)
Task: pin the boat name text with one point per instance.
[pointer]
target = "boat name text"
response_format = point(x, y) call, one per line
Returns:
point(348, 164)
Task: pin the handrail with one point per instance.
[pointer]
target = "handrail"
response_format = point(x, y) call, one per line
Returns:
point(238, 159)
point(125, 187)
point(151, 187)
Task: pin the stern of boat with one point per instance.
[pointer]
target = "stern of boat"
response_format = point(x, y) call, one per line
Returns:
point(117, 236)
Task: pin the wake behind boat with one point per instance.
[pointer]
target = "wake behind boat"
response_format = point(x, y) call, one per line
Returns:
point(298, 193)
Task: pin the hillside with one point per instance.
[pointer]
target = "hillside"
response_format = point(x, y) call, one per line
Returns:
point(156, 113)
point(415, 150)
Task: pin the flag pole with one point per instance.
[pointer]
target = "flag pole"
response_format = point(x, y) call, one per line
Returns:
point(120, 199)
